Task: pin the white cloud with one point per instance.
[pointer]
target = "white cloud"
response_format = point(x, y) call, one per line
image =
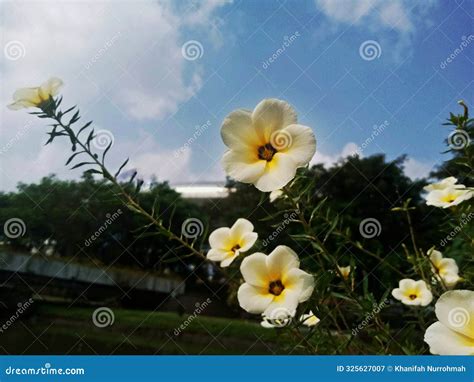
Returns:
point(379, 18)
point(328, 160)
point(121, 59)
point(415, 169)
point(400, 15)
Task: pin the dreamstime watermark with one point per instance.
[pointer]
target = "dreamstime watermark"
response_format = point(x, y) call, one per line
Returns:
point(14, 228)
point(370, 316)
point(370, 228)
point(198, 130)
point(376, 131)
point(44, 370)
point(101, 51)
point(103, 317)
point(22, 307)
point(18, 136)
point(102, 139)
point(192, 228)
point(465, 219)
point(370, 50)
point(466, 40)
point(281, 227)
point(110, 219)
point(14, 50)
point(200, 307)
point(458, 317)
point(192, 50)
point(287, 42)
point(459, 139)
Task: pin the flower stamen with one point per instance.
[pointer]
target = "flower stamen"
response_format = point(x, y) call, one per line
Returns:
point(276, 287)
point(266, 152)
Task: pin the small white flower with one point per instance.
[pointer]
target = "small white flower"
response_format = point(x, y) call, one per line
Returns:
point(345, 271)
point(228, 243)
point(279, 319)
point(274, 195)
point(448, 197)
point(309, 319)
point(274, 283)
point(445, 269)
point(411, 292)
point(453, 334)
point(266, 145)
point(447, 193)
point(34, 97)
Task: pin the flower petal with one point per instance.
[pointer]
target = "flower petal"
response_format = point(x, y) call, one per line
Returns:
point(253, 299)
point(455, 310)
point(302, 145)
point(243, 165)
point(271, 115)
point(231, 256)
point(254, 270)
point(284, 304)
point(50, 88)
point(29, 95)
point(445, 341)
point(240, 228)
point(217, 254)
point(280, 261)
point(220, 238)
point(238, 132)
point(277, 173)
point(299, 281)
point(248, 241)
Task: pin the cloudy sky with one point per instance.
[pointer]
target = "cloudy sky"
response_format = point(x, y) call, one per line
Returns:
point(155, 73)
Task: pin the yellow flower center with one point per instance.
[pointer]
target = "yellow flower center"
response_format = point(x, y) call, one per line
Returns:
point(449, 198)
point(276, 287)
point(412, 297)
point(266, 152)
point(235, 248)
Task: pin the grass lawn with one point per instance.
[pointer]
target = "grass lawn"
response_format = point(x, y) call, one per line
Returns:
point(56, 329)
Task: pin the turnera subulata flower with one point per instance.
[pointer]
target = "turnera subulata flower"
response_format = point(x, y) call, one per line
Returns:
point(35, 97)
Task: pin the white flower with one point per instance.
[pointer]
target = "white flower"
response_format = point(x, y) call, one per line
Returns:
point(453, 334)
point(411, 292)
point(449, 196)
point(228, 243)
point(345, 271)
point(278, 319)
point(445, 269)
point(274, 283)
point(274, 195)
point(309, 319)
point(34, 97)
point(443, 184)
point(266, 146)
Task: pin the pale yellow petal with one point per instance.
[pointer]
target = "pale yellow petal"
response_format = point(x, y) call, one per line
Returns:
point(280, 261)
point(240, 228)
point(254, 270)
point(243, 166)
point(248, 241)
point(299, 281)
point(277, 174)
point(253, 299)
point(238, 132)
point(271, 115)
point(302, 145)
point(444, 341)
point(455, 310)
point(220, 239)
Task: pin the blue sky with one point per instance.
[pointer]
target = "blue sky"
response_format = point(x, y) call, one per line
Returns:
point(124, 65)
